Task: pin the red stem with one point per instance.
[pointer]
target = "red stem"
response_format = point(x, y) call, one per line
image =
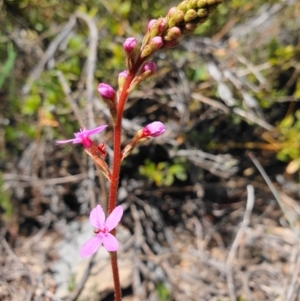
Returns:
point(116, 168)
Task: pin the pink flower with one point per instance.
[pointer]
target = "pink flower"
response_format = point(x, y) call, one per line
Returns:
point(103, 227)
point(106, 91)
point(83, 136)
point(154, 129)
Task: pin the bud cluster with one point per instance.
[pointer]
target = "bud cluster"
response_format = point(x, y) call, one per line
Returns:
point(180, 20)
point(190, 13)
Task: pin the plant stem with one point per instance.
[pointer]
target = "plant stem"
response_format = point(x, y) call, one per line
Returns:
point(114, 266)
point(116, 169)
point(117, 137)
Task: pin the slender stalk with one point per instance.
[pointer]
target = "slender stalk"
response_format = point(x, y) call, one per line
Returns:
point(117, 137)
point(116, 170)
point(115, 269)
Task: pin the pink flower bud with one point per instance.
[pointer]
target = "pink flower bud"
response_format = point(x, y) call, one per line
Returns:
point(122, 78)
point(172, 11)
point(171, 44)
point(172, 34)
point(106, 91)
point(151, 24)
point(154, 129)
point(157, 42)
point(162, 23)
point(129, 45)
point(150, 66)
point(123, 74)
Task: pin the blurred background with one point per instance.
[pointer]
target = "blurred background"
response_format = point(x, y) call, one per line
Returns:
point(211, 207)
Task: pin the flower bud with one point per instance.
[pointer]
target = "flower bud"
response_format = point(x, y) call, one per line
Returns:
point(190, 27)
point(190, 15)
point(201, 3)
point(108, 95)
point(171, 44)
point(154, 129)
point(171, 12)
point(177, 17)
point(151, 24)
point(156, 42)
point(129, 45)
point(149, 67)
point(202, 12)
point(122, 78)
point(153, 45)
point(183, 6)
point(161, 24)
point(191, 4)
point(172, 34)
point(106, 91)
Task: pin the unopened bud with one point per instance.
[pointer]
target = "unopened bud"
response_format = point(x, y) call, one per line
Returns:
point(183, 6)
point(177, 17)
point(153, 129)
point(108, 95)
point(151, 24)
point(149, 67)
point(171, 12)
point(129, 45)
point(157, 27)
point(202, 12)
point(189, 27)
point(201, 3)
point(171, 44)
point(172, 34)
point(153, 45)
point(191, 4)
point(190, 15)
point(122, 78)
point(157, 42)
point(106, 91)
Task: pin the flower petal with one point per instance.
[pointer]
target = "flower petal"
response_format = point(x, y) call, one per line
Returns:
point(110, 243)
point(93, 131)
point(114, 218)
point(64, 141)
point(90, 246)
point(97, 217)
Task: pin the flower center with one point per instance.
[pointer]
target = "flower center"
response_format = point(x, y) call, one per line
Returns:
point(102, 231)
point(86, 141)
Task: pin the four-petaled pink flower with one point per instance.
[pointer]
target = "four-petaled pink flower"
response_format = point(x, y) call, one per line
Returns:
point(83, 136)
point(102, 229)
point(154, 129)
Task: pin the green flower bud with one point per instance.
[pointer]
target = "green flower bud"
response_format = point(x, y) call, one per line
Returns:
point(202, 3)
point(192, 4)
point(176, 18)
point(202, 12)
point(190, 15)
point(183, 6)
